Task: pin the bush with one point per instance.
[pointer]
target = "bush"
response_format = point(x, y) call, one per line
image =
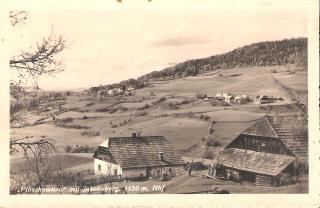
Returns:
point(186, 101)
point(143, 107)
point(212, 143)
point(173, 105)
point(141, 113)
point(114, 126)
point(105, 109)
point(90, 133)
point(301, 168)
point(204, 117)
point(89, 104)
point(63, 123)
point(67, 148)
point(84, 117)
point(208, 154)
point(123, 108)
point(112, 110)
point(200, 95)
point(161, 99)
point(82, 149)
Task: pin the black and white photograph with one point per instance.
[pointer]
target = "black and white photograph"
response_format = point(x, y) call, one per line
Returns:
point(207, 98)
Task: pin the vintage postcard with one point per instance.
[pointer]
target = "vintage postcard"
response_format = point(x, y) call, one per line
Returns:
point(166, 103)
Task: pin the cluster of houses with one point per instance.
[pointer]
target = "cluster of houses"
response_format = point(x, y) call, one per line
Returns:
point(116, 92)
point(242, 99)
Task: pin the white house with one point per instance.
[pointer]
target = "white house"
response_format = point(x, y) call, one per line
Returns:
point(131, 157)
point(219, 96)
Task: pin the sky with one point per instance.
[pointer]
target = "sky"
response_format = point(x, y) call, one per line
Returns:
point(111, 43)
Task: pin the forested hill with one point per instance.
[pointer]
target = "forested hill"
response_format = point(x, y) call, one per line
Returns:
point(269, 53)
point(288, 51)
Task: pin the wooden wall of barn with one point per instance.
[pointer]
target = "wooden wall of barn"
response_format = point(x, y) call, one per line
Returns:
point(260, 144)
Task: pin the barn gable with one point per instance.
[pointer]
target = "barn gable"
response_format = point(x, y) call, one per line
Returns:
point(291, 130)
point(262, 128)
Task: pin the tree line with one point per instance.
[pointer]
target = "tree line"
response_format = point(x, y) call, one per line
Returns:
point(268, 53)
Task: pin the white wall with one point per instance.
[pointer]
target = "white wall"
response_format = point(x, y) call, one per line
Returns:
point(107, 168)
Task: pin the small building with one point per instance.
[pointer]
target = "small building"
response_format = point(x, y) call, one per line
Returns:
point(242, 99)
point(111, 92)
point(263, 99)
point(229, 99)
point(219, 96)
point(266, 152)
point(130, 89)
point(136, 157)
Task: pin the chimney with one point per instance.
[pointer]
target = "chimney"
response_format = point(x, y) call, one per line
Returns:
point(134, 135)
point(161, 156)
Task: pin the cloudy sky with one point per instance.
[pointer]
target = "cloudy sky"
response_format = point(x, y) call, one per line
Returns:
point(114, 42)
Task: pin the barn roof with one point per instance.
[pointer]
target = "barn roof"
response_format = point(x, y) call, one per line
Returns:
point(137, 152)
point(291, 129)
point(252, 161)
point(263, 127)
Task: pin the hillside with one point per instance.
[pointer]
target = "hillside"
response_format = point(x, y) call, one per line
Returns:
point(269, 53)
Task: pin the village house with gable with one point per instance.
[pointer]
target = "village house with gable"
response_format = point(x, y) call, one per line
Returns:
point(137, 157)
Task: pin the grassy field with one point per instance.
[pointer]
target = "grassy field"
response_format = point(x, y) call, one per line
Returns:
point(177, 117)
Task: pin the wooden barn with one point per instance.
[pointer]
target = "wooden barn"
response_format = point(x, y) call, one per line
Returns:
point(137, 157)
point(265, 154)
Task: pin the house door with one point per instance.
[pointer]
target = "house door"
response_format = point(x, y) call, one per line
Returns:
point(115, 172)
point(148, 172)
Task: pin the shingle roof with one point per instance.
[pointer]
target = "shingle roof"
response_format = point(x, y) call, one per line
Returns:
point(252, 161)
point(144, 151)
point(293, 131)
point(263, 127)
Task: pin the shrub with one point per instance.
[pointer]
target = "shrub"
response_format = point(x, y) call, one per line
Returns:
point(67, 148)
point(204, 117)
point(89, 104)
point(301, 168)
point(112, 110)
point(84, 117)
point(212, 143)
point(90, 133)
point(105, 109)
point(186, 101)
point(123, 108)
point(141, 113)
point(143, 107)
point(82, 149)
point(63, 123)
point(161, 99)
point(208, 154)
point(114, 126)
point(200, 95)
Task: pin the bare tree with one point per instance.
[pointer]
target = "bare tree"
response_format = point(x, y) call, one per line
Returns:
point(39, 163)
point(39, 61)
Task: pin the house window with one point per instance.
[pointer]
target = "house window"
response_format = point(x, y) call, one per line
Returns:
point(99, 167)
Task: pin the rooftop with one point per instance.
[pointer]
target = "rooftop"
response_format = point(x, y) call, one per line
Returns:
point(137, 152)
point(252, 161)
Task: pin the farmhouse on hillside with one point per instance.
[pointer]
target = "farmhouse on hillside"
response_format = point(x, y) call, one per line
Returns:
point(137, 157)
point(263, 99)
point(266, 153)
point(242, 99)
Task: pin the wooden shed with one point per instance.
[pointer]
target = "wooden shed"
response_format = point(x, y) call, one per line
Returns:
point(266, 152)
